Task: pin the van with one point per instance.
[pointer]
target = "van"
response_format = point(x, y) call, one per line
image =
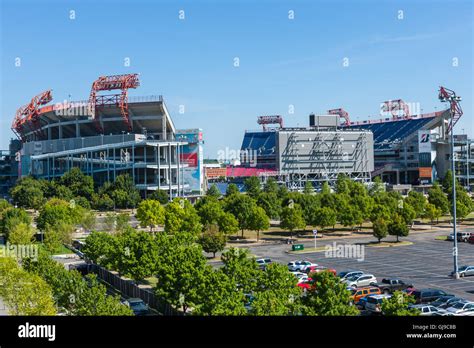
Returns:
point(463, 236)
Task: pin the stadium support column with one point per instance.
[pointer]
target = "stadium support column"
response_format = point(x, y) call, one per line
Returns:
point(169, 172)
point(178, 167)
point(78, 130)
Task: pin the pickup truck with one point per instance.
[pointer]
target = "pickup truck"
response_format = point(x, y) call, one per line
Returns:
point(389, 285)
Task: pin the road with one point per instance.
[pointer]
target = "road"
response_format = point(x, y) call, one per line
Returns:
point(425, 263)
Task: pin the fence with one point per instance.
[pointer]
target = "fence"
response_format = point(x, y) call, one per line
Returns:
point(130, 289)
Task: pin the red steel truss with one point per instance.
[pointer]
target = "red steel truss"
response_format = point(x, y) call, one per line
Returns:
point(274, 119)
point(393, 106)
point(448, 95)
point(342, 113)
point(108, 83)
point(28, 114)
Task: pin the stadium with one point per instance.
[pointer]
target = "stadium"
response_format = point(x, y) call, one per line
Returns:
point(109, 135)
point(401, 148)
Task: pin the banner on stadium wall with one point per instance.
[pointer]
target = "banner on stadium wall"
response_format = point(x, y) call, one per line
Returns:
point(425, 172)
point(424, 141)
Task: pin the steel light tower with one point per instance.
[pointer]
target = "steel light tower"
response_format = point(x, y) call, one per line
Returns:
point(447, 95)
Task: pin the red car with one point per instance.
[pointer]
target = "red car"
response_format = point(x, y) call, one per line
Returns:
point(306, 285)
point(471, 239)
point(318, 269)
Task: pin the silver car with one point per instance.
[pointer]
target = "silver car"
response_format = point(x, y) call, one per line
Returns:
point(428, 310)
point(361, 280)
point(461, 307)
point(466, 271)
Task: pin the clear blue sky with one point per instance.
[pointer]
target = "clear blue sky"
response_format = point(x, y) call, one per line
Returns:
point(282, 62)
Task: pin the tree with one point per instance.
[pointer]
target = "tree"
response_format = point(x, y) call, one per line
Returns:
point(408, 213)
point(342, 184)
point(327, 296)
point(88, 220)
point(252, 186)
point(418, 201)
point(292, 218)
point(397, 227)
point(213, 242)
point(101, 248)
point(259, 221)
point(122, 222)
point(10, 217)
point(137, 254)
point(271, 186)
point(308, 188)
point(213, 191)
point(377, 186)
point(211, 213)
point(241, 206)
point(80, 184)
point(242, 269)
point(27, 193)
point(437, 197)
point(57, 211)
point(323, 217)
point(56, 235)
point(380, 228)
point(160, 196)
point(24, 293)
point(232, 189)
point(270, 202)
point(150, 213)
point(21, 234)
point(461, 210)
point(277, 293)
point(181, 270)
point(124, 192)
point(181, 216)
point(110, 221)
point(432, 212)
point(325, 189)
point(397, 305)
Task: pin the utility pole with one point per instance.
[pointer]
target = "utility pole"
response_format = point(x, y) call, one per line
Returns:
point(447, 95)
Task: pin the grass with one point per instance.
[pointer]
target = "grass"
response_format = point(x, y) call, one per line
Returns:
point(441, 238)
point(63, 250)
point(387, 244)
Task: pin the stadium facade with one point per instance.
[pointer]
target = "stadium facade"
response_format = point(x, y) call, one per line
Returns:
point(120, 135)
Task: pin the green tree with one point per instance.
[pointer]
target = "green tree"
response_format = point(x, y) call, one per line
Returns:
point(27, 193)
point(122, 222)
point(259, 221)
point(10, 217)
point(160, 196)
point(292, 219)
point(213, 191)
point(150, 213)
point(110, 221)
point(397, 305)
point(308, 188)
point(323, 217)
point(242, 269)
point(213, 242)
point(270, 202)
point(271, 186)
point(432, 212)
point(102, 248)
point(124, 192)
point(21, 234)
point(241, 206)
point(79, 183)
point(57, 211)
point(380, 227)
point(327, 296)
point(418, 201)
point(408, 213)
point(24, 293)
point(277, 293)
point(88, 220)
point(252, 186)
point(342, 184)
point(232, 189)
point(398, 227)
point(437, 197)
point(181, 216)
point(56, 235)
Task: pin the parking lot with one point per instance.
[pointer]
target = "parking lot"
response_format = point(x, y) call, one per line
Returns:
point(425, 263)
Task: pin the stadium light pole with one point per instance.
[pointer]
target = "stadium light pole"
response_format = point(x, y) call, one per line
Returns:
point(453, 100)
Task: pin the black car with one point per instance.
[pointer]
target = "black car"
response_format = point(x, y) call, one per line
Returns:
point(440, 301)
point(428, 295)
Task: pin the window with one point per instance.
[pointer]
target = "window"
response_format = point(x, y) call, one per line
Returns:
point(426, 310)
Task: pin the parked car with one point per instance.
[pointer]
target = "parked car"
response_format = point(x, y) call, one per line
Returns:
point(450, 237)
point(305, 265)
point(317, 269)
point(465, 271)
point(347, 274)
point(361, 280)
point(360, 293)
point(452, 300)
point(137, 306)
point(461, 307)
point(463, 236)
point(299, 265)
point(471, 239)
point(428, 295)
point(374, 303)
point(263, 263)
point(362, 303)
point(299, 275)
point(389, 285)
point(440, 301)
point(427, 310)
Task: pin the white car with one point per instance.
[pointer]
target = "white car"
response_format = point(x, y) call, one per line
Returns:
point(428, 310)
point(263, 263)
point(361, 280)
point(461, 307)
point(347, 274)
point(303, 279)
point(299, 265)
point(299, 275)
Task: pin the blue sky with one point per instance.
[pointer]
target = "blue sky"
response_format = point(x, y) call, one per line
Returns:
point(283, 61)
